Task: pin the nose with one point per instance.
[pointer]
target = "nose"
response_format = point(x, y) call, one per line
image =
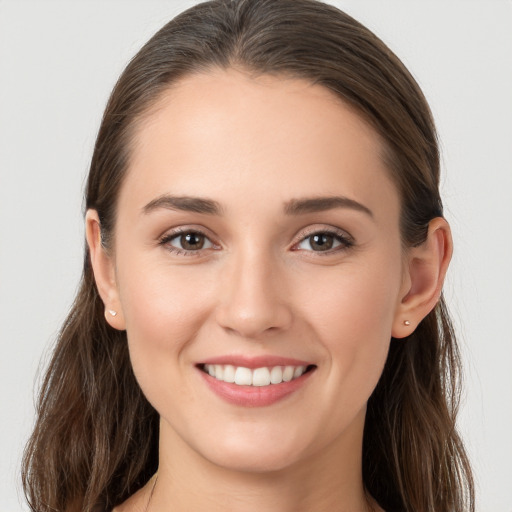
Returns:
point(253, 302)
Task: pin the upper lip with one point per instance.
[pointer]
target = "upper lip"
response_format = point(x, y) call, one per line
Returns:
point(255, 361)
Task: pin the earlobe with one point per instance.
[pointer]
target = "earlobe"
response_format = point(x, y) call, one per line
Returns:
point(104, 273)
point(426, 270)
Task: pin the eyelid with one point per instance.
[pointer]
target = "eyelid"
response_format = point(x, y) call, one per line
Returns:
point(323, 228)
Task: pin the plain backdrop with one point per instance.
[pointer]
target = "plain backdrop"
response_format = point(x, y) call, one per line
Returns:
point(58, 63)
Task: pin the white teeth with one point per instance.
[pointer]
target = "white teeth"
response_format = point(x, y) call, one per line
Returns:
point(243, 376)
point(229, 373)
point(288, 373)
point(276, 375)
point(263, 376)
point(219, 371)
point(298, 371)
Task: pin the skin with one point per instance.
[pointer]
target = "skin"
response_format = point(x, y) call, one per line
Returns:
point(259, 287)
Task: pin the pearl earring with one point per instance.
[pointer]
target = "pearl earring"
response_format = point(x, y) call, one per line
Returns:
point(112, 312)
point(406, 322)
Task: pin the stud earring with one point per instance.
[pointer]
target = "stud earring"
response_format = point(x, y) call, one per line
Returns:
point(112, 312)
point(406, 322)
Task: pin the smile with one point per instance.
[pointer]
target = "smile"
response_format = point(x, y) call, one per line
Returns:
point(255, 382)
point(264, 376)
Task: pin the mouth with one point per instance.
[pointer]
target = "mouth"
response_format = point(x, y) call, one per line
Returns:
point(255, 382)
point(255, 377)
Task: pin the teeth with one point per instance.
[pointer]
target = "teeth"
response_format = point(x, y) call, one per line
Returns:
point(258, 377)
point(243, 376)
point(261, 377)
point(298, 371)
point(229, 373)
point(276, 375)
point(219, 370)
point(288, 373)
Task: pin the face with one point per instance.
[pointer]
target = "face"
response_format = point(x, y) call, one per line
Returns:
point(257, 240)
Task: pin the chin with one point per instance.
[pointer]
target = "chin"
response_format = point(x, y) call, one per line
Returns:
point(254, 461)
point(261, 452)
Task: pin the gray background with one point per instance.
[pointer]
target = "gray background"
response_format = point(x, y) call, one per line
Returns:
point(58, 63)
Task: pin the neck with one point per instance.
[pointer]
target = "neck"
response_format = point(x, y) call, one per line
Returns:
point(329, 479)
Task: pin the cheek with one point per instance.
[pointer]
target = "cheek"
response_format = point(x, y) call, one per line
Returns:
point(355, 298)
point(156, 296)
point(352, 315)
point(163, 310)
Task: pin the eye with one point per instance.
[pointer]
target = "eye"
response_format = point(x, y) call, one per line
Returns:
point(324, 241)
point(186, 241)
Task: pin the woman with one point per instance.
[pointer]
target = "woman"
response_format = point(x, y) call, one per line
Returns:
point(260, 323)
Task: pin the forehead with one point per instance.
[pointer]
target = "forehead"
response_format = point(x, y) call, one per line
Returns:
point(225, 134)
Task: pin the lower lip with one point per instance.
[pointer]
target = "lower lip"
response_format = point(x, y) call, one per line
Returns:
point(254, 396)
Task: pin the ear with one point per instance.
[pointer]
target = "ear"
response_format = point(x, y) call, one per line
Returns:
point(425, 271)
point(104, 271)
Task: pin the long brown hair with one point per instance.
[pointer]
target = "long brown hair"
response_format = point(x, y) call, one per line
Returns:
point(95, 440)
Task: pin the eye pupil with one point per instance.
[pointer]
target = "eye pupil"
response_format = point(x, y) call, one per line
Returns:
point(191, 241)
point(321, 241)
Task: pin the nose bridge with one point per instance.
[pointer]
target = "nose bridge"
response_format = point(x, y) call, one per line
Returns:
point(253, 298)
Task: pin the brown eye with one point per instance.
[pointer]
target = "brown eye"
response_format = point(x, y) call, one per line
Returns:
point(187, 241)
point(192, 241)
point(324, 241)
point(321, 242)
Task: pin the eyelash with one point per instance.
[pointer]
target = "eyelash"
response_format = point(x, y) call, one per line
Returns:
point(345, 242)
point(168, 237)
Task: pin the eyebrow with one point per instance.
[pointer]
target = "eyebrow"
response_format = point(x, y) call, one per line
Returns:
point(292, 207)
point(184, 203)
point(320, 204)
